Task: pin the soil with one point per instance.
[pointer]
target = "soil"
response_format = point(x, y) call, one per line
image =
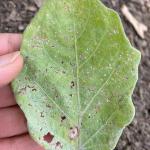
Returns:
point(16, 14)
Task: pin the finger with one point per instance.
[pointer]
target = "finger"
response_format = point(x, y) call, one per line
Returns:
point(9, 42)
point(6, 97)
point(10, 66)
point(23, 142)
point(12, 122)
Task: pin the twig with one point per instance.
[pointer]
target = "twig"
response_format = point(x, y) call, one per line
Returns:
point(139, 27)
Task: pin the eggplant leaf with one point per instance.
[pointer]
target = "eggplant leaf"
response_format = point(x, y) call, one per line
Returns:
point(79, 74)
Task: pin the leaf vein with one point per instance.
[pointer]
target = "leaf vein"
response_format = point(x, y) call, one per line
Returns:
point(89, 57)
point(100, 129)
point(53, 101)
point(98, 91)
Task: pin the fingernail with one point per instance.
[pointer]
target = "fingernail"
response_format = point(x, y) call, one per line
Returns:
point(8, 58)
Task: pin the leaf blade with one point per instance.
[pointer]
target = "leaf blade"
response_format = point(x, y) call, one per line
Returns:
point(81, 68)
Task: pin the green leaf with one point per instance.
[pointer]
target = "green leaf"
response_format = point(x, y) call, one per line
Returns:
point(79, 74)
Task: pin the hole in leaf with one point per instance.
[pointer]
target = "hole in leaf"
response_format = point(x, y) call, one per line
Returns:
point(48, 137)
point(63, 118)
point(73, 133)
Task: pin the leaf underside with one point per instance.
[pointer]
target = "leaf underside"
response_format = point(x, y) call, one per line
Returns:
point(79, 74)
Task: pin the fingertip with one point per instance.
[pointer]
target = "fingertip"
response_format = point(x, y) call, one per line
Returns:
point(9, 42)
point(10, 71)
point(23, 142)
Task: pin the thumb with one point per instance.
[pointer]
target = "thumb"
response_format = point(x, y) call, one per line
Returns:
point(10, 66)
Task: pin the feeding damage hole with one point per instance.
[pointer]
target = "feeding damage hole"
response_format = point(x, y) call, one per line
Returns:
point(70, 95)
point(48, 137)
point(63, 118)
point(73, 133)
point(42, 114)
point(72, 84)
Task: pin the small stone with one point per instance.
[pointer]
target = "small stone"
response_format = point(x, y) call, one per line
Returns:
point(32, 8)
point(21, 27)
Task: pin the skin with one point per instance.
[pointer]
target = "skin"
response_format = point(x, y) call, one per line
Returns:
point(13, 128)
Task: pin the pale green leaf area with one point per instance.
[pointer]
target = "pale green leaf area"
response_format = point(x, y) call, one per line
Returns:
point(79, 74)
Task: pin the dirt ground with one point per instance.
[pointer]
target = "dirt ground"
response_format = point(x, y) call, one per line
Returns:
point(16, 14)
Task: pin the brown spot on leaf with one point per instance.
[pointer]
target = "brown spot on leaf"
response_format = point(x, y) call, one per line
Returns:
point(41, 114)
point(97, 108)
point(29, 105)
point(34, 89)
point(48, 105)
point(72, 84)
point(58, 146)
point(26, 78)
point(26, 59)
point(63, 72)
point(48, 137)
point(22, 90)
point(29, 86)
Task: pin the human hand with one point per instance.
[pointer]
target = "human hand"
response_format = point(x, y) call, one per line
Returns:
point(13, 127)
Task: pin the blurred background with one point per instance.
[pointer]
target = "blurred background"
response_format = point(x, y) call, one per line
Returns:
point(15, 15)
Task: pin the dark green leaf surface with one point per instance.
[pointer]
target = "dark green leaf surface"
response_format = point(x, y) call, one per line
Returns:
point(79, 74)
